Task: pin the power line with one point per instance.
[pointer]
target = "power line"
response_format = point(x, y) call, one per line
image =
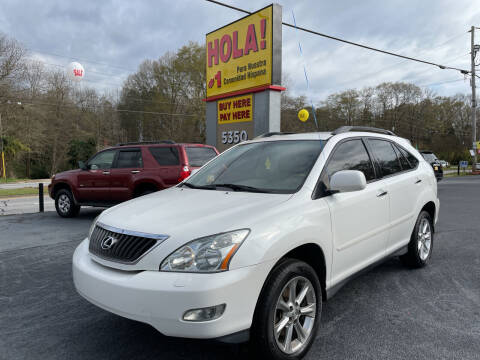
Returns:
point(100, 106)
point(443, 67)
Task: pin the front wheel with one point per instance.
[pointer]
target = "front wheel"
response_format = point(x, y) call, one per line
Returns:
point(65, 204)
point(421, 242)
point(288, 312)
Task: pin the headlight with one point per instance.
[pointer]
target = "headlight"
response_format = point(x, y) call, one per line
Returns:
point(92, 227)
point(209, 254)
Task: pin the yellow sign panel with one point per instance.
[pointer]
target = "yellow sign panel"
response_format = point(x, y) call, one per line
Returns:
point(235, 109)
point(239, 55)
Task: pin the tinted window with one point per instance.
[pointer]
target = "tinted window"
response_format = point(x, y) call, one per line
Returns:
point(412, 160)
point(350, 155)
point(403, 160)
point(166, 155)
point(429, 157)
point(386, 156)
point(129, 159)
point(270, 166)
point(198, 156)
point(102, 160)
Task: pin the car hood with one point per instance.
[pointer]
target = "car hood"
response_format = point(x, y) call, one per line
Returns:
point(184, 213)
point(65, 173)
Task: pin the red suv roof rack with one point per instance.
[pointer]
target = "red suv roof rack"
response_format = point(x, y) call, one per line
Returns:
point(147, 142)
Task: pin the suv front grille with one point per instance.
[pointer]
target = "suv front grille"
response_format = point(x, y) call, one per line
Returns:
point(120, 245)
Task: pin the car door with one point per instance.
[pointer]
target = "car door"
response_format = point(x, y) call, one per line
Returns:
point(127, 167)
point(169, 164)
point(360, 218)
point(94, 182)
point(403, 182)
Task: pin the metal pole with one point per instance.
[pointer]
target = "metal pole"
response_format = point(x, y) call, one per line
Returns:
point(2, 155)
point(474, 104)
point(40, 197)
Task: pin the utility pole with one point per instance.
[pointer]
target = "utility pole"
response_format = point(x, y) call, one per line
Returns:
point(2, 155)
point(474, 103)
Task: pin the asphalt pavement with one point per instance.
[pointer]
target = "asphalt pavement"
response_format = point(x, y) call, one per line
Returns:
point(390, 312)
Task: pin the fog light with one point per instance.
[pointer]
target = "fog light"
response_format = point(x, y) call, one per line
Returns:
point(204, 314)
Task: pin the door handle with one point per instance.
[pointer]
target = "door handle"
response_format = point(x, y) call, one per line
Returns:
point(106, 173)
point(135, 171)
point(382, 193)
point(418, 181)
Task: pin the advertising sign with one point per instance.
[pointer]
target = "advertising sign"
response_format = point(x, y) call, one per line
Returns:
point(241, 55)
point(234, 120)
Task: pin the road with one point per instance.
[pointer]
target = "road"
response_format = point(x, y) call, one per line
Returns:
point(390, 312)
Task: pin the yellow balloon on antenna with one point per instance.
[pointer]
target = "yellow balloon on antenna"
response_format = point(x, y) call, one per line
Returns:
point(303, 115)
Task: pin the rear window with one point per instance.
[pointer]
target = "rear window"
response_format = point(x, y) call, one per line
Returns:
point(199, 156)
point(129, 159)
point(430, 157)
point(165, 155)
point(386, 156)
point(412, 160)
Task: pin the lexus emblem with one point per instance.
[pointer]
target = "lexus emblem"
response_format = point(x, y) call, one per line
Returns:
point(108, 242)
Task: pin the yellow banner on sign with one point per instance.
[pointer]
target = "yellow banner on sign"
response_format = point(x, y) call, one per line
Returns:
point(235, 109)
point(239, 55)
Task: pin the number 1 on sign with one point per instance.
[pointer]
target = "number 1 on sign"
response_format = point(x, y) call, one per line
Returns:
point(218, 77)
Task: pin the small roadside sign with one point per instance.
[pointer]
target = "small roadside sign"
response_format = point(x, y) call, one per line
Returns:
point(463, 164)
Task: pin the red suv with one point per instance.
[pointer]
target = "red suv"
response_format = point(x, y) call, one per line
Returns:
point(126, 171)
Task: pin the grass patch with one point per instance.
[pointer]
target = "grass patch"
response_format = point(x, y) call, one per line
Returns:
point(18, 192)
point(12, 180)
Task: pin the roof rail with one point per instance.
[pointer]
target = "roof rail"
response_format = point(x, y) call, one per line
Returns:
point(344, 129)
point(268, 134)
point(147, 142)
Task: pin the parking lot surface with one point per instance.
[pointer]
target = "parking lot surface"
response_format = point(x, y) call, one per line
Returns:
point(390, 312)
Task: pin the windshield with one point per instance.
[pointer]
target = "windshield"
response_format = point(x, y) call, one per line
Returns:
point(270, 166)
point(430, 157)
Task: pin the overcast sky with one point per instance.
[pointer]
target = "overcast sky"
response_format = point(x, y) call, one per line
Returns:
point(111, 38)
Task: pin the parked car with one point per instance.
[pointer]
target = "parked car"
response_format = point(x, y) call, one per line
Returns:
point(251, 245)
point(124, 172)
point(444, 163)
point(432, 159)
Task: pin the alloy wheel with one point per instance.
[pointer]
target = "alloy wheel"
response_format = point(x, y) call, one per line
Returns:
point(64, 203)
point(294, 316)
point(424, 243)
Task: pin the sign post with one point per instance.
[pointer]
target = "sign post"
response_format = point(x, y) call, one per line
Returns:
point(244, 71)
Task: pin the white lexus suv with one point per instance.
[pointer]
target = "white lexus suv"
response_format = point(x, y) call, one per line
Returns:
point(250, 245)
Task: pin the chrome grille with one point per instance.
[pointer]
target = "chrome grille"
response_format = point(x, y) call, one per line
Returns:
point(120, 245)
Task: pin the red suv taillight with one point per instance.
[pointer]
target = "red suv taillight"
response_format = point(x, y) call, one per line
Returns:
point(184, 173)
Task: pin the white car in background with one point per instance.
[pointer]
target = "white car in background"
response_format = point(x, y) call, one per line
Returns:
point(253, 243)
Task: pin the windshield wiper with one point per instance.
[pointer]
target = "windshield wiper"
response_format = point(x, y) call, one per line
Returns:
point(239, 187)
point(234, 187)
point(191, 186)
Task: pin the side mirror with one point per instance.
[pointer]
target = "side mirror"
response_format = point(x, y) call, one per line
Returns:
point(347, 181)
point(82, 165)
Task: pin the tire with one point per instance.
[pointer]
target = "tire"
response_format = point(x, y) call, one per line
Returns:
point(421, 243)
point(271, 312)
point(65, 204)
point(146, 192)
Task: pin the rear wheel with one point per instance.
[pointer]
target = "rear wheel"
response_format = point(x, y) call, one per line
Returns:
point(65, 204)
point(421, 242)
point(288, 312)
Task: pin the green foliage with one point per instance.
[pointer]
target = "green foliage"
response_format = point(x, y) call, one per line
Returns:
point(12, 145)
point(80, 150)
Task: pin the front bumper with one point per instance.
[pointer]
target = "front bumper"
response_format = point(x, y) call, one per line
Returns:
point(161, 298)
